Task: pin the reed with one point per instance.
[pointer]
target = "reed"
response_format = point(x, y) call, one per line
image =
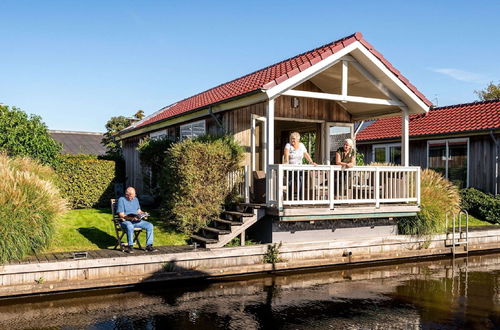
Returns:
point(29, 204)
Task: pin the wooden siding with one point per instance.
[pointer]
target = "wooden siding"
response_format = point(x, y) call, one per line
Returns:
point(133, 169)
point(311, 108)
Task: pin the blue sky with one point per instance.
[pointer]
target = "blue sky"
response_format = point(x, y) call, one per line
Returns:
point(78, 63)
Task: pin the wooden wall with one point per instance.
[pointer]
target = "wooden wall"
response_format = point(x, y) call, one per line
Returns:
point(133, 170)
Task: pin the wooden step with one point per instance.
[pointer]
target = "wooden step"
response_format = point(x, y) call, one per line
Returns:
point(229, 222)
point(216, 230)
point(204, 239)
point(239, 214)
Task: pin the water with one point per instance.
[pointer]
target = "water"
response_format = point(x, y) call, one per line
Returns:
point(444, 294)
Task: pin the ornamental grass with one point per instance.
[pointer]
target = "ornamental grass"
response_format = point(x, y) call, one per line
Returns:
point(438, 196)
point(29, 204)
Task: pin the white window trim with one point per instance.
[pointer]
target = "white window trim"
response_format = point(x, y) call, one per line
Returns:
point(446, 141)
point(193, 124)
point(387, 150)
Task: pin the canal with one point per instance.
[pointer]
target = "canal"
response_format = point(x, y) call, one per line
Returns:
point(431, 293)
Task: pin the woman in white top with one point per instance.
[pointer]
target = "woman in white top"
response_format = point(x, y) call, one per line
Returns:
point(295, 151)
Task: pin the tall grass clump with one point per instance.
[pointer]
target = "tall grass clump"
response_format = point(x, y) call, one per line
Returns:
point(195, 175)
point(29, 203)
point(437, 197)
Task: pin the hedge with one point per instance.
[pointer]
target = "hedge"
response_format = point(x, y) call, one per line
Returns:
point(196, 179)
point(481, 205)
point(86, 181)
point(29, 204)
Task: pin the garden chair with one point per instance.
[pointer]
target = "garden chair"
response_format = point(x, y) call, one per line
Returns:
point(119, 230)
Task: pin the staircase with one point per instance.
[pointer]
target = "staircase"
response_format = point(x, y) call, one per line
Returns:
point(229, 225)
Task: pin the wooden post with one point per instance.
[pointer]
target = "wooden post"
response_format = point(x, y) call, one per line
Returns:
point(405, 158)
point(270, 145)
point(242, 238)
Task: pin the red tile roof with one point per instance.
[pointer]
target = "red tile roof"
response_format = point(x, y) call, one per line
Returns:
point(477, 116)
point(267, 78)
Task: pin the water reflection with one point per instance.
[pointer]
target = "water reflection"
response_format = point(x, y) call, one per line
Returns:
point(447, 293)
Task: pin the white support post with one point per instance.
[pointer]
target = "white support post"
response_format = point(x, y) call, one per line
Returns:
point(252, 143)
point(345, 80)
point(418, 187)
point(405, 144)
point(247, 185)
point(377, 187)
point(280, 188)
point(270, 145)
point(330, 188)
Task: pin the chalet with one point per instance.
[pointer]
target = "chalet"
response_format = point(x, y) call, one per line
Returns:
point(321, 93)
point(460, 141)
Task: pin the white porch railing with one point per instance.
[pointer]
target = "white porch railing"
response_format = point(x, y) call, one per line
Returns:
point(240, 180)
point(332, 185)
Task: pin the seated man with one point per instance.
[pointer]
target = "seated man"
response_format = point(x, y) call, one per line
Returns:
point(130, 212)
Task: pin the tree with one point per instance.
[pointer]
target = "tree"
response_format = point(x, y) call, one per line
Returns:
point(491, 92)
point(26, 135)
point(113, 126)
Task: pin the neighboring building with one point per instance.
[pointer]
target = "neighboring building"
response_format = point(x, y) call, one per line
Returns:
point(460, 141)
point(79, 142)
point(322, 92)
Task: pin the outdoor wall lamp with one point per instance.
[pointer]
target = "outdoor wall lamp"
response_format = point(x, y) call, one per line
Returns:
point(295, 102)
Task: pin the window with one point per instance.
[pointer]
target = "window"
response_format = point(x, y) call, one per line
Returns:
point(387, 153)
point(191, 130)
point(158, 134)
point(450, 158)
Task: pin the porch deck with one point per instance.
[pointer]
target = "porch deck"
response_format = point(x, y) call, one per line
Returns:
point(326, 192)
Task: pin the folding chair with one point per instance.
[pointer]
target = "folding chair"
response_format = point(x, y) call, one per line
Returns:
point(120, 232)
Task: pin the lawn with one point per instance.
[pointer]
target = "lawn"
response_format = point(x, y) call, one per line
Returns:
point(92, 229)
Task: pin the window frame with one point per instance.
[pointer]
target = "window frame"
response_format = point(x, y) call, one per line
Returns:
point(387, 147)
point(446, 142)
point(191, 125)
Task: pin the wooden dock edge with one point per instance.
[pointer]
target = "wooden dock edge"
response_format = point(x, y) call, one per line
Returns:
point(52, 277)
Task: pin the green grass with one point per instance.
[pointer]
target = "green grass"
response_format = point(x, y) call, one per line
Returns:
point(475, 222)
point(92, 229)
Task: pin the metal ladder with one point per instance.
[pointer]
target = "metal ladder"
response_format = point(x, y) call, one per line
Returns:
point(458, 239)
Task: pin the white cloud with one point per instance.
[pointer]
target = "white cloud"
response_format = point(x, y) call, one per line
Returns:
point(462, 75)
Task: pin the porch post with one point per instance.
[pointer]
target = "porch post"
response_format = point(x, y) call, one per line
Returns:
point(405, 156)
point(270, 133)
point(270, 146)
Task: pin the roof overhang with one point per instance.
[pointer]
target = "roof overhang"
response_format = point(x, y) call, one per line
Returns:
point(397, 94)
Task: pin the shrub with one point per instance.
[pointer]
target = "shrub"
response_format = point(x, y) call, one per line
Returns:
point(29, 203)
point(86, 181)
point(438, 196)
point(481, 205)
point(26, 135)
point(196, 179)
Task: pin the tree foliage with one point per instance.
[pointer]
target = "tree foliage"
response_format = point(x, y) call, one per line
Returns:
point(26, 135)
point(491, 92)
point(113, 126)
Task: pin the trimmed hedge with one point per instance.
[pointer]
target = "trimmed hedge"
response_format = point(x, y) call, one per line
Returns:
point(86, 181)
point(481, 205)
point(29, 204)
point(196, 179)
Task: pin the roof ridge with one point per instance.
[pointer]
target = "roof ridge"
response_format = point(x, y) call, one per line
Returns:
point(460, 105)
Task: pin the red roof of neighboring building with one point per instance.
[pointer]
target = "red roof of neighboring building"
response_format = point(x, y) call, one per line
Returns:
point(269, 77)
point(475, 116)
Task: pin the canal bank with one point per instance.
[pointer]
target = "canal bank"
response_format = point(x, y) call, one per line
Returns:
point(112, 268)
